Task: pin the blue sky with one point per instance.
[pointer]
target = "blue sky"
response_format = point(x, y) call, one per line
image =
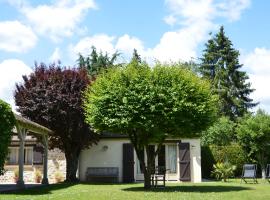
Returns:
point(166, 30)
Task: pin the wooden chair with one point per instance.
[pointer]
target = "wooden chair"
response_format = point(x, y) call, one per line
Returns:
point(158, 176)
point(249, 172)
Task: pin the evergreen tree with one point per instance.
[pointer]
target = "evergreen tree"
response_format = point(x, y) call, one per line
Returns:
point(220, 64)
point(136, 57)
point(96, 61)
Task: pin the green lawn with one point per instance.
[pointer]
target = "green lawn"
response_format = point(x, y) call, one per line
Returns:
point(209, 191)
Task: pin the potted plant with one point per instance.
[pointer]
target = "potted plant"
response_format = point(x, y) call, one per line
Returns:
point(16, 175)
point(58, 176)
point(38, 176)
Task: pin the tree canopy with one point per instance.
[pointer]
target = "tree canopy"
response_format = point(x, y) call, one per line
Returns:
point(52, 96)
point(220, 133)
point(96, 62)
point(149, 105)
point(253, 133)
point(7, 123)
point(220, 64)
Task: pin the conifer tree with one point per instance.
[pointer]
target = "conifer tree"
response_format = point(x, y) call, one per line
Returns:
point(220, 64)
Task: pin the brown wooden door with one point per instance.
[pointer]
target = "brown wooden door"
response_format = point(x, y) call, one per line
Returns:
point(128, 163)
point(184, 157)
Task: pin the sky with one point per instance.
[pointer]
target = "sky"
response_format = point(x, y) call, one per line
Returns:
point(166, 30)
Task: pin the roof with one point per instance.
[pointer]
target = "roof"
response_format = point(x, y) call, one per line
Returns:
point(31, 126)
point(112, 135)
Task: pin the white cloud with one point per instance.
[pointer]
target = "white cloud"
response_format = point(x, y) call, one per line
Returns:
point(194, 18)
point(59, 19)
point(16, 37)
point(257, 64)
point(56, 56)
point(102, 42)
point(11, 72)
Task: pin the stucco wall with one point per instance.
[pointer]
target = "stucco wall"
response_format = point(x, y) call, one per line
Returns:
point(97, 156)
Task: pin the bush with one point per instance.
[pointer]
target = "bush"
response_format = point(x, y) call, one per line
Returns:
point(58, 176)
point(213, 154)
point(16, 175)
point(223, 171)
point(38, 176)
point(7, 123)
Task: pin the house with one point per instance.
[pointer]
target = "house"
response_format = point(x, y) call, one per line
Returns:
point(33, 160)
point(181, 158)
point(29, 152)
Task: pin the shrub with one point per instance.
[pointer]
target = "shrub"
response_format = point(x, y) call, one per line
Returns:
point(7, 123)
point(16, 175)
point(223, 171)
point(58, 176)
point(213, 154)
point(38, 176)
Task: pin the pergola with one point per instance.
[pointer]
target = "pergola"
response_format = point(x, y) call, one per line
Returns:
point(23, 127)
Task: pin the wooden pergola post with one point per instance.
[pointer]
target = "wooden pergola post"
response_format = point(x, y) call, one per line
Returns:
point(23, 126)
point(45, 180)
point(22, 135)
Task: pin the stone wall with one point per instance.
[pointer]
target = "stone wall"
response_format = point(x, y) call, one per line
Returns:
point(56, 163)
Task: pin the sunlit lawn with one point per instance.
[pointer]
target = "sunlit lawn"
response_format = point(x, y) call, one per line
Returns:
point(210, 190)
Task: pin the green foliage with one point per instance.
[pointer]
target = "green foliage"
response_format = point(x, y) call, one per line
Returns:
point(213, 154)
point(52, 97)
point(221, 133)
point(96, 62)
point(253, 133)
point(223, 171)
point(7, 123)
point(150, 104)
point(220, 64)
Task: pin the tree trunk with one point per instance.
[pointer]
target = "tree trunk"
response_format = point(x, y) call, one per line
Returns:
point(147, 179)
point(72, 160)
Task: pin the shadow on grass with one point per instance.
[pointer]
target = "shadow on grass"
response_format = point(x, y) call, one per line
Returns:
point(190, 188)
point(40, 190)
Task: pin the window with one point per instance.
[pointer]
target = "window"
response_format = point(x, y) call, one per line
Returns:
point(172, 158)
point(138, 165)
point(28, 156)
point(13, 156)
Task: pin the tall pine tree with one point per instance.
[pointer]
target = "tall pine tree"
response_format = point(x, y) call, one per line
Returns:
point(96, 61)
point(220, 64)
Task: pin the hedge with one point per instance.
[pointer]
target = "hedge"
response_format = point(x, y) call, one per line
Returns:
point(212, 154)
point(7, 123)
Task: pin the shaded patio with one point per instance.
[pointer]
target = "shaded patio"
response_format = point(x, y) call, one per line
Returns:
point(22, 128)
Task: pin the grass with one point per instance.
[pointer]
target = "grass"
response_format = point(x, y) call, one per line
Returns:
point(188, 191)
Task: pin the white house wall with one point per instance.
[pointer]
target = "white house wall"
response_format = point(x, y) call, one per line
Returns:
point(99, 156)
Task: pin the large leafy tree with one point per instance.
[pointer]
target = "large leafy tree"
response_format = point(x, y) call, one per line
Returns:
point(7, 123)
point(149, 105)
point(96, 62)
point(52, 96)
point(253, 133)
point(220, 133)
point(220, 64)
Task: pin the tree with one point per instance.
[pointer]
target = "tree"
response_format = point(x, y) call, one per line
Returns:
point(221, 133)
point(149, 105)
point(220, 64)
point(253, 133)
point(136, 57)
point(7, 123)
point(52, 96)
point(95, 62)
